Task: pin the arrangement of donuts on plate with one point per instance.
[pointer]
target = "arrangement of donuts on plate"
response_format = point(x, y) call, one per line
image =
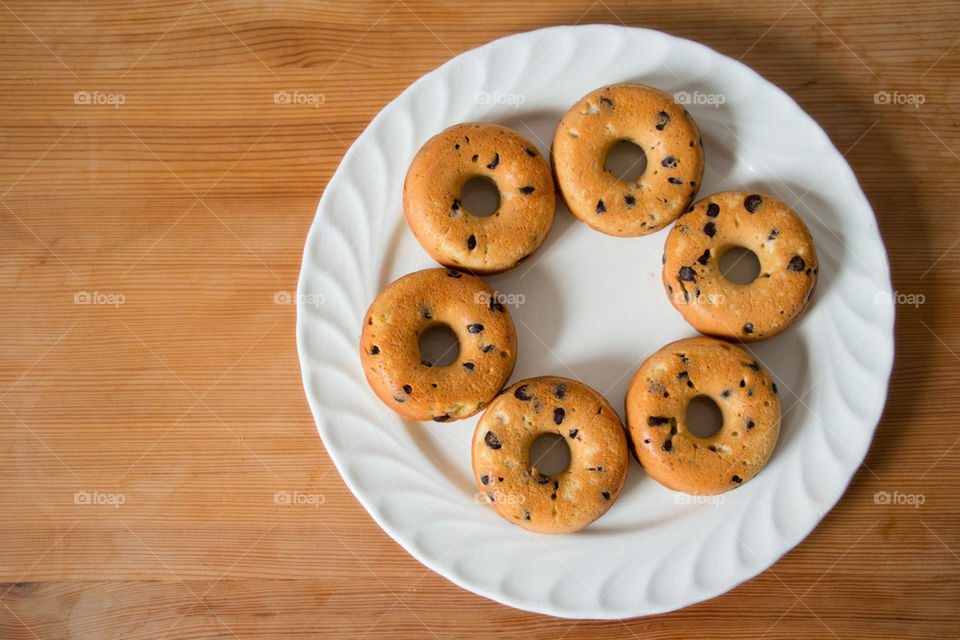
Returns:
point(468, 245)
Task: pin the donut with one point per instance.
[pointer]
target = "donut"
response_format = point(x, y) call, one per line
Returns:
point(452, 235)
point(715, 306)
point(390, 345)
point(518, 491)
point(650, 119)
point(656, 408)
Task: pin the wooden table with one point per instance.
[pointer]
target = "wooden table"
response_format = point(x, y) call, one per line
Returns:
point(177, 196)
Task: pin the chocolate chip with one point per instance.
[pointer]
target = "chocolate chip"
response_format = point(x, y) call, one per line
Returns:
point(374, 350)
point(774, 386)
point(797, 264)
point(484, 479)
point(646, 441)
point(467, 138)
point(663, 119)
point(710, 229)
point(560, 390)
point(487, 348)
point(558, 415)
point(472, 242)
point(773, 233)
point(521, 393)
point(750, 424)
point(752, 203)
point(686, 274)
point(468, 365)
point(607, 101)
point(630, 200)
point(573, 433)
point(453, 274)
point(526, 514)
point(743, 383)
point(657, 421)
point(667, 445)
point(476, 327)
point(493, 163)
point(442, 418)
point(601, 208)
point(674, 180)
point(456, 205)
point(705, 258)
point(726, 393)
point(456, 146)
point(433, 384)
point(737, 479)
point(475, 158)
point(556, 484)
point(713, 210)
point(669, 162)
point(605, 494)
point(553, 496)
point(748, 328)
point(491, 439)
point(526, 190)
point(407, 389)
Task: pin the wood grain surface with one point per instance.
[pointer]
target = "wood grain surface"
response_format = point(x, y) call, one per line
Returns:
point(182, 195)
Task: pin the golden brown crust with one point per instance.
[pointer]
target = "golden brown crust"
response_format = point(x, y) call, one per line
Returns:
point(390, 349)
point(652, 120)
point(656, 408)
point(565, 502)
point(714, 305)
point(446, 230)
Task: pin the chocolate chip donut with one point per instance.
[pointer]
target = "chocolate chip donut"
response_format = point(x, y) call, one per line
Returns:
point(517, 490)
point(650, 119)
point(390, 345)
point(714, 305)
point(656, 407)
point(452, 235)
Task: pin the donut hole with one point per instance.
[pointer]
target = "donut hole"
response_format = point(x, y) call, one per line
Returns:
point(480, 196)
point(626, 161)
point(439, 346)
point(739, 265)
point(703, 417)
point(550, 454)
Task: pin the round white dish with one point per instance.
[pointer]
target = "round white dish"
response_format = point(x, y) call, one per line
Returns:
point(592, 306)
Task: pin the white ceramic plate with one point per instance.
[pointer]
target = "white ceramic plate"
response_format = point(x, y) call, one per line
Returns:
point(594, 308)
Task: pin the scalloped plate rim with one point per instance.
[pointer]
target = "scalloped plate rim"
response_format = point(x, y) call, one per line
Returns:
point(784, 543)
